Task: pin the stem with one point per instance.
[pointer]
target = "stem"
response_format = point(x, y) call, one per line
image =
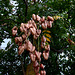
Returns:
point(20, 33)
point(27, 36)
point(38, 40)
point(26, 8)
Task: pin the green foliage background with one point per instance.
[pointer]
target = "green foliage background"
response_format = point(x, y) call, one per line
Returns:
point(57, 64)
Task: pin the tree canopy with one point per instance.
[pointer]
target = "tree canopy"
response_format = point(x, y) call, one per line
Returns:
point(62, 52)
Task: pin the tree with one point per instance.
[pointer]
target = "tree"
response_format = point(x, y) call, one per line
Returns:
point(61, 32)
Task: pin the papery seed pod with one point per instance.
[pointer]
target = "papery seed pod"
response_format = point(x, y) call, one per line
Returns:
point(38, 31)
point(41, 66)
point(14, 30)
point(34, 17)
point(38, 74)
point(35, 37)
point(20, 50)
point(49, 24)
point(33, 57)
point(24, 37)
point(35, 64)
point(30, 26)
point(33, 30)
point(42, 19)
point(33, 49)
point(43, 39)
point(18, 39)
point(25, 46)
point(32, 21)
point(29, 22)
point(34, 24)
point(21, 29)
point(44, 72)
point(47, 47)
point(41, 72)
point(29, 45)
point(38, 18)
point(42, 45)
point(22, 24)
point(27, 26)
point(44, 26)
point(36, 70)
point(45, 55)
point(38, 55)
point(49, 18)
point(19, 43)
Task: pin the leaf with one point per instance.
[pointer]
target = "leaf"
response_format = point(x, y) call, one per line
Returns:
point(57, 17)
point(48, 39)
point(47, 31)
point(48, 35)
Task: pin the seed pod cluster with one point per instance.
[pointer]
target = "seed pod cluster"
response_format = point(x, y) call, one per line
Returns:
point(46, 47)
point(14, 30)
point(30, 28)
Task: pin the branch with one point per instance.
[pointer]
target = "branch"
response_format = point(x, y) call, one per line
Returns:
point(26, 8)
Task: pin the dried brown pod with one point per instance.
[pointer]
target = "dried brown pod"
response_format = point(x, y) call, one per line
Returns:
point(30, 26)
point(29, 22)
point(49, 24)
point(49, 18)
point(21, 29)
point(44, 26)
point(29, 45)
point(35, 37)
point(33, 49)
point(43, 72)
point(36, 70)
point(24, 37)
point(38, 31)
point(14, 30)
point(33, 57)
point(38, 55)
point(34, 17)
point(25, 45)
point(43, 39)
point(22, 24)
point(41, 66)
point(33, 30)
point(42, 19)
point(18, 39)
point(37, 73)
point(47, 47)
point(27, 26)
point(45, 55)
point(42, 45)
point(20, 50)
point(38, 18)
point(34, 24)
point(35, 64)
